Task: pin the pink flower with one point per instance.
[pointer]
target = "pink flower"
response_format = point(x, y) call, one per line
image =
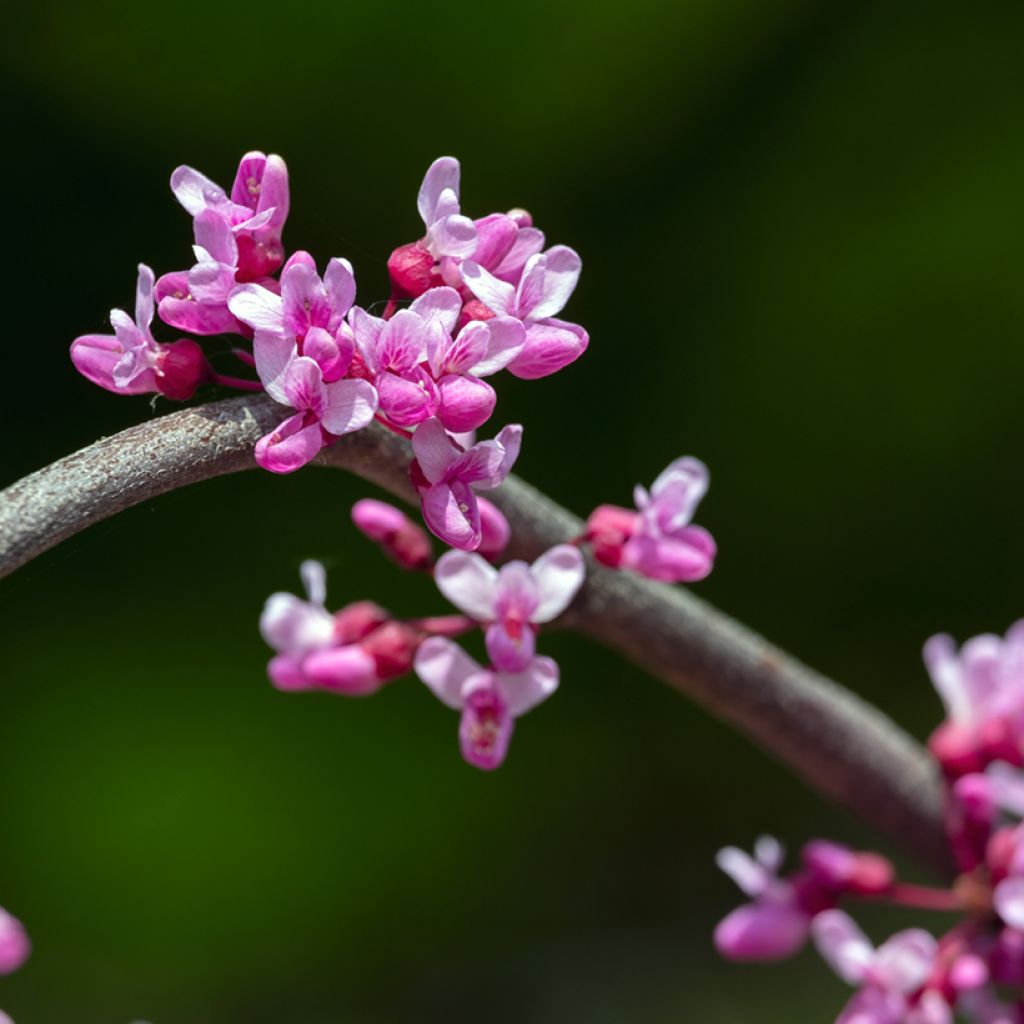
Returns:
point(131, 361)
point(14, 943)
point(774, 925)
point(548, 279)
point(658, 540)
point(393, 351)
point(490, 701)
point(982, 689)
point(353, 652)
point(512, 601)
point(890, 978)
point(256, 210)
point(413, 268)
point(399, 537)
point(504, 242)
point(495, 531)
point(303, 349)
point(447, 477)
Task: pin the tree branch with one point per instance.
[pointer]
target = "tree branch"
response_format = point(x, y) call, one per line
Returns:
point(837, 743)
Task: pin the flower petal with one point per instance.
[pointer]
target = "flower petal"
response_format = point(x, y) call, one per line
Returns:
point(439, 304)
point(842, 945)
point(464, 402)
point(498, 296)
point(273, 354)
point(550, 346)
point(258, 307)
point(445, 668)
point(451, 513)
point(505, 341)
point(350, 405)
point(442, 174)
point(559, 574)
point(468, 582)
point(524, 690)
point(510, 653)
point(290, 446)
point(761, 932)
point(434, 450)
point(195, 191)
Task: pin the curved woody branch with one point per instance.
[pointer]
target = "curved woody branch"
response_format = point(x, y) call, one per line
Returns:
point(838, 744)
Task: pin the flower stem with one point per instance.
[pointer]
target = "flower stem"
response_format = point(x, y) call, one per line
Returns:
point(244, 357)
point(235, 382)
point(407, 434)
point(923, 897)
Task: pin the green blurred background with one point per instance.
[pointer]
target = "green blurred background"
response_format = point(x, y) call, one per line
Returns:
point(801, 229)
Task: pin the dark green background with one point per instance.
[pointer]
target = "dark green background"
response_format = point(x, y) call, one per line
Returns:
point(801, 228)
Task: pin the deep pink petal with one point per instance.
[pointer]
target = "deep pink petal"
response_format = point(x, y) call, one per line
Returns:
point(96, 355)
point(495, 236)
point(304, 300)
point(285, 672)
point(204, 320)
point(349, 670)
point(464, 402)
point(486, 725)
point(290, 446)
point(529, 241)
point(550, 346)
point(273, 192)
point(332, 355)
point(510, 652)
point(494, 528)
point(403, 401)
point(451, 513)
point(761, 932)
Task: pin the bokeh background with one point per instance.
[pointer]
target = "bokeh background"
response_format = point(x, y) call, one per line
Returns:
point(801, 227)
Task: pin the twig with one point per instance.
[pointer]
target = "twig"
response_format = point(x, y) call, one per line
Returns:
point(837, 743)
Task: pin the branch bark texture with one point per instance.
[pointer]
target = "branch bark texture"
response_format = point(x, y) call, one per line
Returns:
point(838, 744)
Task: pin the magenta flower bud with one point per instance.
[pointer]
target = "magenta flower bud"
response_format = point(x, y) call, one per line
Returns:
point(392, 647)
point(494, 530)
point(181, 368)
point(968, 972)
point(997, 742)
point(1006, 961)
point(349, 670)
point(358, 620)
point(848, 871)
point(399, 537)
point(954, 745)
point(14, 943)
point(485, 728)
point(970, 815)
point(285, 673)
point(999, 853)
point(608, 529)
point(474, 310)
point(412, 271)
point(762, 932)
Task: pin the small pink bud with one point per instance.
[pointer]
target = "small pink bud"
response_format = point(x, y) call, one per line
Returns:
point(1007, 959)
point(474, 310)
point(14, 943)
point(762, 932)
point(955, 747)
point(494, 529)
point(349, 670)
point(358, 620)
point(393, 647)
point(1000, 852)
point(181, 368)
point(608, 529)
point(412, 271)
point(996, 742)
point(257, 259)
point(872, 874)
point(398, 536)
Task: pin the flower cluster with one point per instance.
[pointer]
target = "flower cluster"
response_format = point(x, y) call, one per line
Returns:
point(976, 968)
point(482, 296)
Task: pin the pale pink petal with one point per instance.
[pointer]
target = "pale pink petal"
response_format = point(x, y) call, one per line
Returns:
point(211, 284)
point(550, 346)
point(469, 582)
point(904, 962)
point(195, 191)
point(464, 402)
point(14, 943)
point(481, 465)
point(366, 330)
point(314, 579)
point(340, 282)
point(510, 652)
point(443, 174)
point(445, 668)
point(761, 932)
point(506, 338)
point(842, 945)
point(510, 438)
point(748, 874)
point(258, 307)
point(273, 354)
point(524, 690)
point(144, 299)
point(434, 450)
point(1008, 899)
point(548, 281)
point(769, 853)
point(442, 305)
point(291, 625)
point(675, 494)
point(96, 355)
point(498, 296)
point(214, 234)
point(468, 349)
point(350, 405)
point(559, 574)
point(684, 559)
point(290, 446)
